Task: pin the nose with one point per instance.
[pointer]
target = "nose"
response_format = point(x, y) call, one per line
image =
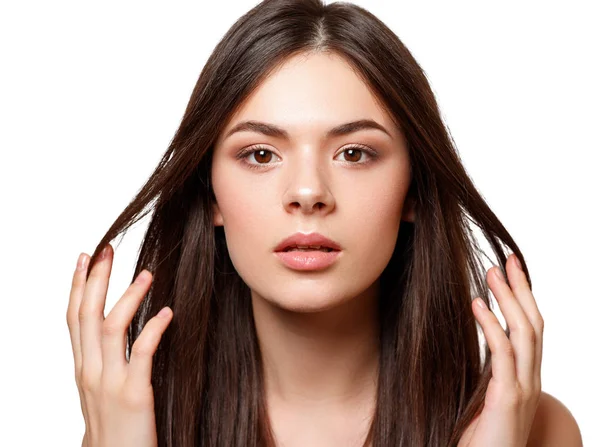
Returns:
point(308, 193)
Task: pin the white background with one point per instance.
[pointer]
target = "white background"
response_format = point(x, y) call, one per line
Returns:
point(91, 94)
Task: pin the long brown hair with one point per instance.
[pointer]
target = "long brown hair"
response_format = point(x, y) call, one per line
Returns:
point(207, 374)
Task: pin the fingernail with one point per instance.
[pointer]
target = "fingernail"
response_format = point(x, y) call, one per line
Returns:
point(517, 262)
point(480, 303)
point(498, 273)
point(103, 253)
point(82, 261)
point(164, 312)
point(141, 277)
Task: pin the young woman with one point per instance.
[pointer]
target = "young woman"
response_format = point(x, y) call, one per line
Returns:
point(310, 248)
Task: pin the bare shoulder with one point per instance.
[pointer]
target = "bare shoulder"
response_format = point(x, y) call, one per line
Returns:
point(553, 425)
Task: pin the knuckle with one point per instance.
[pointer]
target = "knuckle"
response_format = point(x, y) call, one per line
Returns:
point(111, 328)
point(84, 314)
point(87, 384)
point(141, 349)
point(108, 389)
point(70, 320)
point(144, 345)
point(528, 333)
point(512, 399)
point(136, 396)
point(540, 324)
point(507, 348)
point(527, 392)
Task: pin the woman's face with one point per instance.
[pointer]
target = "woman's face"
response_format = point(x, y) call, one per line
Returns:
point(308, 183)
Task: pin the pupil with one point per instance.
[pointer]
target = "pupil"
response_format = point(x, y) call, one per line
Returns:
point(261, 153)
point(353, 154)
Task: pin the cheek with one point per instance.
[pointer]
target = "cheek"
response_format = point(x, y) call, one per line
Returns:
point(377, 215)
point(375, 230)
point(248, 227)
point(240, 204)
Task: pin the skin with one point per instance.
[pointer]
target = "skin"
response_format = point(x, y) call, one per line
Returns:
point(116, 395)
point(317, 330)
point(117, 398)
point(516, 412)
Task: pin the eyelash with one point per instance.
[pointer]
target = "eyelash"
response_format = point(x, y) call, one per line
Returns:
point(365, 149)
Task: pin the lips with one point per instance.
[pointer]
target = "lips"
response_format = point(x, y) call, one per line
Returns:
point(310, 261)
point(310, 241)
point(309, 248)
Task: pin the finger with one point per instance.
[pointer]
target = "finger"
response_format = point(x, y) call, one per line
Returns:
point(75, 297)
point(503, 363)
point(142, 351)
point(522, 291)
point(91, 313)
point(114, 331)
point(522, 335)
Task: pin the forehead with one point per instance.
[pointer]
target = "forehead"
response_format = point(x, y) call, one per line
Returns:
point(313, 92)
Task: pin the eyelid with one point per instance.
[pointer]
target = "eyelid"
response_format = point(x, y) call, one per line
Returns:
point(242, 154)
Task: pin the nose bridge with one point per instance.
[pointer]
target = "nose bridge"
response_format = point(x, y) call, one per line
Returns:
point(307, 163)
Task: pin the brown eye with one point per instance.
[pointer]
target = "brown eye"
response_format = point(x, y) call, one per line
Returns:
point(354, 154)
point(359, 155)
point(263, 156)
point(256, 157)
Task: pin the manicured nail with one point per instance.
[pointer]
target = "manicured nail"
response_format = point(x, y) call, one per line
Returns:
point(498, 273)
point(104, 253)
point(164, 312)
point(517, 262)
point(480, 303)
point(141, 277)
point(82, 262)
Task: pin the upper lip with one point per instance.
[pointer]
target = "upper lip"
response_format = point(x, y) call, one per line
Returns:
point(307, 239)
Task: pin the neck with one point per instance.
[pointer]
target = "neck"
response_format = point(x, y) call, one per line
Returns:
point(320, 360)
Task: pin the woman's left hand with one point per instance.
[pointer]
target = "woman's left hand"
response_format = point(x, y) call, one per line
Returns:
point(514, 390)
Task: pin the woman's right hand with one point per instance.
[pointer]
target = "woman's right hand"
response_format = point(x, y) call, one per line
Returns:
point(116, 395)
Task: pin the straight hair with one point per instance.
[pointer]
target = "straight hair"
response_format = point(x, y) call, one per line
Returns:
point(207, 374)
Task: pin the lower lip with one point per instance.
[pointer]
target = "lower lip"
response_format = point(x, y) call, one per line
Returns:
point(308, 260)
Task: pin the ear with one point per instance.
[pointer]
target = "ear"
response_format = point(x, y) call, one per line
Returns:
point(217, 216)
point(409, 209)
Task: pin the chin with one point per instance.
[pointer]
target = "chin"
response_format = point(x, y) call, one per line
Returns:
point(305, 301)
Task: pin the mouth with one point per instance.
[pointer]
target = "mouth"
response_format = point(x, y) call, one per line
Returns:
point(308, 258)
point(307, 242)
point(309, 248)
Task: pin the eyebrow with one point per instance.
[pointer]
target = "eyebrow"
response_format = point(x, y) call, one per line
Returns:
point(272, 130)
